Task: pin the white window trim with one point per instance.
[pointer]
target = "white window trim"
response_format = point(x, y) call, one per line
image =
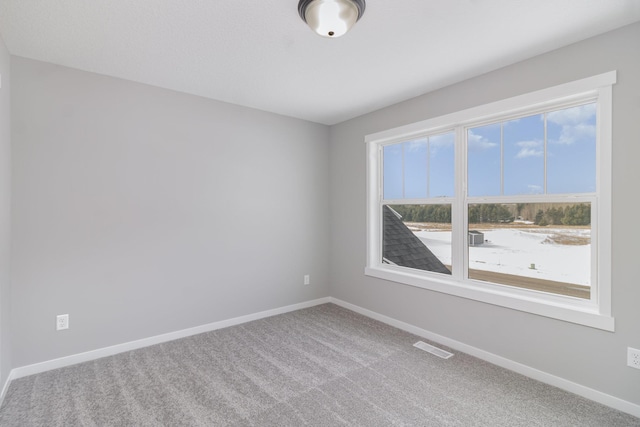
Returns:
point(596, 312)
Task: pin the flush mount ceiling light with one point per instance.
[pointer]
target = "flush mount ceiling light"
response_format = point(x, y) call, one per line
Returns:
point(331, 18)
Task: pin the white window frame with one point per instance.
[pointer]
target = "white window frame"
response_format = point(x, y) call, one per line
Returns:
point(595, 312)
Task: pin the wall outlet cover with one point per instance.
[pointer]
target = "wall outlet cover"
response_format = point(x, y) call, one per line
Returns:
point(62, 322)
point(633, 357)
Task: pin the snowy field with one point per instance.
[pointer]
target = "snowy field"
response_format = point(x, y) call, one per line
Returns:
point(514, 250)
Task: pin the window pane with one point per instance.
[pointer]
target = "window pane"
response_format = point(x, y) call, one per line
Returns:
point(415, 168)
point(483, 145)
point(392, 173)
point(523, 141)
point(540, 246)
point(571, 147)
point(417, 236)
point(441, 165)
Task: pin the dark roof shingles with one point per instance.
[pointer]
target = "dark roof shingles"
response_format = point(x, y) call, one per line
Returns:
point(404, 248)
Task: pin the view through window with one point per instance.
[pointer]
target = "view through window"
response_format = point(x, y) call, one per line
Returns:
point(518, 232)
point(539, 246)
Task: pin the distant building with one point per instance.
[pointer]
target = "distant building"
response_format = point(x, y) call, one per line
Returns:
point(402, 247)
point(475, 238)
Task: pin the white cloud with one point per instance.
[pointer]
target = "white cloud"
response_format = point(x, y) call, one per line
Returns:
point(444, 140)
point(577, 123)
point(529, 149)
point(571, 134)
point(479, 142)
point(534, 143)
point(572, 116)
point(529, 152)
point(438, 143)
point(416, 145)
point(534, 189)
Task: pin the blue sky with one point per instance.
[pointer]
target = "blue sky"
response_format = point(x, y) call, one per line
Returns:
point(515, 149)
point(428, 168)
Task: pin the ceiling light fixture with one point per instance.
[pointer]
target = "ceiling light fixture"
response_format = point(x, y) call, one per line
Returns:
point(331, 18)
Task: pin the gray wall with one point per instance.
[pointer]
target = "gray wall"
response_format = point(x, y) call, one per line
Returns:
point(5, 214)
point(590, 357)
point(141, 211)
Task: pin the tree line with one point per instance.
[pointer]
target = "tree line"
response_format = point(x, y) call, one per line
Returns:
point(571, 214)
point(579, 214)
point(424, 213)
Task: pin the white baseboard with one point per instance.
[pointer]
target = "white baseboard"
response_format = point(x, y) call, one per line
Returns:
point(570, 386)
point(589, 393)
point(5, 387)
point(48, 365)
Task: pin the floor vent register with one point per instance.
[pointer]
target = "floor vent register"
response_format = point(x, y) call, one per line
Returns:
point(433, 350)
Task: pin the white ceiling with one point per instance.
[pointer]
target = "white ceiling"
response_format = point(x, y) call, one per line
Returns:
point(260, 54)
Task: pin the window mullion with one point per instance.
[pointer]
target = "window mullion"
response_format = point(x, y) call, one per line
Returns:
point(459, 215)
point(403, 170)
point(428, 166)
point(544, 178)
point(502, 158)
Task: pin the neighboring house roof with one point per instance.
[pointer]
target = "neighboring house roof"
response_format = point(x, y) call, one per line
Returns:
point(402, 247)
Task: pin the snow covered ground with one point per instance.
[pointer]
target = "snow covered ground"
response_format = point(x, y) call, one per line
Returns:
point(513, 251)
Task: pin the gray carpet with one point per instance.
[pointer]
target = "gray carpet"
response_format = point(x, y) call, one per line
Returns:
point(322, 366)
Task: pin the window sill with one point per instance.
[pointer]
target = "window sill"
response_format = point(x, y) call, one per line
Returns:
point(567, 309)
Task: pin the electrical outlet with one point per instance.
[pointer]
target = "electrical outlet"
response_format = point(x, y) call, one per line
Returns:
point(307, 279)
point(62, 322)
point(633, 357)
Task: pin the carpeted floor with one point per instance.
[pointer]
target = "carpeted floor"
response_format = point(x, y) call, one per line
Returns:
point(322, 366)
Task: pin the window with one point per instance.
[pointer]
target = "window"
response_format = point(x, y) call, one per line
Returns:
point(507, 203)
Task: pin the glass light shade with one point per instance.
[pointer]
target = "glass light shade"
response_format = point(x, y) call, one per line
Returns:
point(331, 18)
